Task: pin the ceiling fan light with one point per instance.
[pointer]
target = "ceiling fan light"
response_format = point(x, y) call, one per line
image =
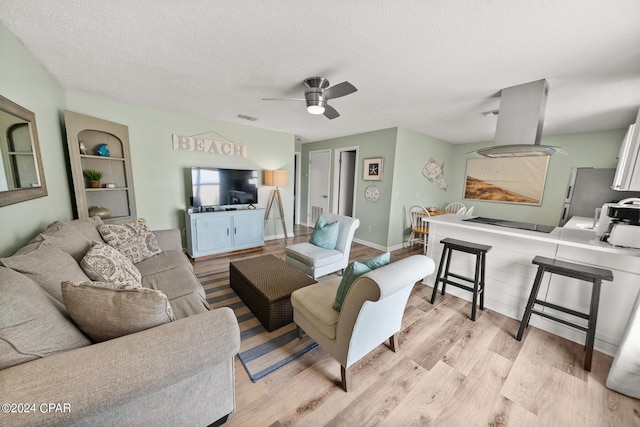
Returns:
point(315, 109)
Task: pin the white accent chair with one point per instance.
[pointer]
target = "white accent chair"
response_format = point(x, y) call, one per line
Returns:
point(371, 313)
point(469, 211)
point(316, 261)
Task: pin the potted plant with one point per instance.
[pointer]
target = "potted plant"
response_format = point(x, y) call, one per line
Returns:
point(94, 177)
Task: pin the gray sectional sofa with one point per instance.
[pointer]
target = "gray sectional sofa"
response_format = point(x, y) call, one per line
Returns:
point(180, 372)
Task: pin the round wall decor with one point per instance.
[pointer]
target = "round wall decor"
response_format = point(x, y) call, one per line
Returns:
point(372, 194)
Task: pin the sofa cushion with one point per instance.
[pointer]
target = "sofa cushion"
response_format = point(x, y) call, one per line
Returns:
point(109, 310)
point(355, 270)
point(68, 238)
point(313, 255)
point(46, 265)
point(162, 262)
point(325, 234)
point(105, 264)
point(134, 239)
point(305, 301)
point(31, 326)
point(183, 289)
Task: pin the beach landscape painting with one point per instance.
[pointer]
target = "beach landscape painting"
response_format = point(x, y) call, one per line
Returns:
point(506, 180)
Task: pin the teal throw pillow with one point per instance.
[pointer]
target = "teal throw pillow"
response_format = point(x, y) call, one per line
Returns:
point(325, 234)
point(378, 261)
point(351, 273)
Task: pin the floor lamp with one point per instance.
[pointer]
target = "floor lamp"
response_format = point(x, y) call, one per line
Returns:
point(276, 178)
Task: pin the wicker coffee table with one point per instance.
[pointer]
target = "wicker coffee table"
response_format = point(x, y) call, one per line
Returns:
point(265, 285)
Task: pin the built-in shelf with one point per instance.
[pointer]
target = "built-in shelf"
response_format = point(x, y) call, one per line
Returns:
point(93, 132)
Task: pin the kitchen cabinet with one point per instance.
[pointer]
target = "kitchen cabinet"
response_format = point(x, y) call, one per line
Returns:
point(210, 233)
point(86, 136)
point(627, 176)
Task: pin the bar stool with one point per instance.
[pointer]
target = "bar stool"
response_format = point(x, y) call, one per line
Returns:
point(480, 251)
point(576, 271)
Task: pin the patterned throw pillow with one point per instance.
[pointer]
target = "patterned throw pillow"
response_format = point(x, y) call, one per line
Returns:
point(134, 239)
point(104, 311)
point(102, 263)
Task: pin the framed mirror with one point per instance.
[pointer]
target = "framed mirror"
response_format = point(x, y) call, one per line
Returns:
point(21, 173)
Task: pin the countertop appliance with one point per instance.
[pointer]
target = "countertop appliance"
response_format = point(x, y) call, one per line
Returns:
point(628, 170)
point(589, 189)
point(619, 223)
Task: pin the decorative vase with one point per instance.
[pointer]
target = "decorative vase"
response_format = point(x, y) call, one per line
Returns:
point(103, 150)
point(94, 184)
point(100, 211)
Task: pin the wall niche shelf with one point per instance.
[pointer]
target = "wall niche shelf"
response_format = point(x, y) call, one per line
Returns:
point(92, 132)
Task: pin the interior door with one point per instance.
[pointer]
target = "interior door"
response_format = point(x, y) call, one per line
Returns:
point(346, 182)
point(319, 165)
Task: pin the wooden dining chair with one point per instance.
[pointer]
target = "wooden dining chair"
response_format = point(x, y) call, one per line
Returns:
point(456, 207)
point(419, 228)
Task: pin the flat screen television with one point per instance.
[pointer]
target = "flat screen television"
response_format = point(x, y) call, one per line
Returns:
point(223, 187)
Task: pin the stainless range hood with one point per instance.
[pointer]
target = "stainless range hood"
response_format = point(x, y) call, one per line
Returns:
point(520, 121)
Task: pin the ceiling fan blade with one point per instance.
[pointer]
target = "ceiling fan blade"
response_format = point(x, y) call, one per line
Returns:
point(330, 112)
point(283, 99)
point(341, 89)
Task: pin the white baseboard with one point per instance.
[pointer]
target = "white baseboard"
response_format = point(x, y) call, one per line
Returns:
point(278, 236)
point(378, 247)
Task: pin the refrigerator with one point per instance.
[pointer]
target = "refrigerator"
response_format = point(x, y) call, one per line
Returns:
point(588, 189)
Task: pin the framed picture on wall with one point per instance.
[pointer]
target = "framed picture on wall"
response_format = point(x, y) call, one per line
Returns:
point(373, 169)
point(506, 180)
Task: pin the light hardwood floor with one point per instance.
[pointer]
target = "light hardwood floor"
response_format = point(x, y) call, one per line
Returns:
point(448, 371)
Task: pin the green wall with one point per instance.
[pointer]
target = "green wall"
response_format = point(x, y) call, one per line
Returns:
point(410, 187)
point(160, 183)
point(159, 178)
point(158, 170)
point(593, 149)
point(379, 143)
point(24, 81)
point(406, 152)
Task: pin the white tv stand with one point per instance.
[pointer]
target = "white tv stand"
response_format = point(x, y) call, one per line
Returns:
point(210, 233)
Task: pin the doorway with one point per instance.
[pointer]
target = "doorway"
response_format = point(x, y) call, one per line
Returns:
point(297, 159)
point(318, 203)
point(344, 178)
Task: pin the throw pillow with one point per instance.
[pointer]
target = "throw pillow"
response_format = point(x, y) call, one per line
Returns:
point(351, 273)
point(134, 239)
point(105, 264)
point(104, 311)
point(31, 327)
point(67, 237)
point(46, 265)
point(378, 261)
point(325, 234)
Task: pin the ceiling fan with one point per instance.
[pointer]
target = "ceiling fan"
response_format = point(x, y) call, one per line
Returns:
point(318, 93)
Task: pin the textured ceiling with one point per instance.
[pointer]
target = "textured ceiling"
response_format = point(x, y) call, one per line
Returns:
point(428, 65)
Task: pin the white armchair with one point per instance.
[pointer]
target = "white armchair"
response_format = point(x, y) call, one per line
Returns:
point(371, 313)
point(316, 261)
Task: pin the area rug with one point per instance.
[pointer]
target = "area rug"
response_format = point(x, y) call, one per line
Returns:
point(261, 351)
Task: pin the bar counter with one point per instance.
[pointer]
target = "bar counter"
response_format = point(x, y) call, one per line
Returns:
point(510, 274)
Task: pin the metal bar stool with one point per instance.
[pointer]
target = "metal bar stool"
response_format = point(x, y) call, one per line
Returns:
point(480, 251)
point(576, 271)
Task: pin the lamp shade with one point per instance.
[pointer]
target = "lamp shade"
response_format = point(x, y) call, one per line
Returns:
point(276, 178)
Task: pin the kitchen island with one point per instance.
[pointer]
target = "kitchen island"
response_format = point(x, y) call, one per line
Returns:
point(510, 274)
